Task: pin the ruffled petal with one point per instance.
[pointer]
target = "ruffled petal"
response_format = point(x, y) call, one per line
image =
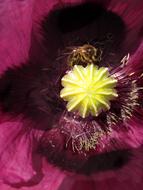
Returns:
point(73, 184)
point(18, 162)
point(42, 8)
point(136, 63)
point(53, 178)
point(83, 185)
point(16, 24)
point(131, 13)
point(117, 185)
point(103, 185)
point(21, 164)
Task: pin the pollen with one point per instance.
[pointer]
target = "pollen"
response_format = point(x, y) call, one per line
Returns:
point(88, 90)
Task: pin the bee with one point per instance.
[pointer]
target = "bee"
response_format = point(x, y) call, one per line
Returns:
point(86, 54)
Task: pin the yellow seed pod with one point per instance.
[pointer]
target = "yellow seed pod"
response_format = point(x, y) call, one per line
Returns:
point(88, 90)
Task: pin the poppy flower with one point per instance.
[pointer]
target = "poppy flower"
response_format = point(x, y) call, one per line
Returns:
point(44, 144)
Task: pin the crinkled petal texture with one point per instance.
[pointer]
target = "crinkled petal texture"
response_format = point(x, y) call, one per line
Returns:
point(111, 183)
point(16, 24)
point(16, 153)
point(20, 164)
point(131, 12)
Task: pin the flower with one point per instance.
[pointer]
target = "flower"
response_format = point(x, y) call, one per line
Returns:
point(42, 145)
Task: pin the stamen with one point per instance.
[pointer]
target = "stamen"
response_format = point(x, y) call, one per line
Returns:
point(125, 60)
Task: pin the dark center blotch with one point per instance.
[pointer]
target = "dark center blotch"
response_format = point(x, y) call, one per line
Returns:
point(29, 91)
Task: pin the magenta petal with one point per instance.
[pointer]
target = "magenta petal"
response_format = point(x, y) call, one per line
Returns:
point(16, 24)
point(18, 162)
point(6, 187)
point(83, 185)
point(15, 153)
point(51, 181)
point(53, 177)
point(42, 8)
point(102, 185)
point(104, 2)
point(71, 183)
point(131, 13)
point(115, 184)
point(136, 63)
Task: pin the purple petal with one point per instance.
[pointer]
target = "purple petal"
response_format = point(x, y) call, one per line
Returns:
point(16, 154)
point(16, 24)
point(83, 185)
point(102, 185)
point(78, 185)
point(52, 180)
point(131, 13)
point(136, 63)
point(19, 165)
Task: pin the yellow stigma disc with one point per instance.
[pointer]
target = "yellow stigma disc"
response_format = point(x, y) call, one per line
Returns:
point(88, 90)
